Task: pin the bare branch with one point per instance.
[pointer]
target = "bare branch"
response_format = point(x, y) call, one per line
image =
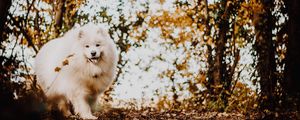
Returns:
point(24, 32)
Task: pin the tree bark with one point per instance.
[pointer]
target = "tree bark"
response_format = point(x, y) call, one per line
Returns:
point(59, 11)
point(217, 66)
point(265, 49)
point(217, 70)
point(4, 7)
point(292, 86)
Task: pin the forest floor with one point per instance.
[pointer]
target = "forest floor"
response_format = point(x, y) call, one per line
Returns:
point(150, 114)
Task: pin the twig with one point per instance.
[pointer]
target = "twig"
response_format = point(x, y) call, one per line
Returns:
point(237, 78)
point(25, 65)
point(24, 32)
point(29, 9)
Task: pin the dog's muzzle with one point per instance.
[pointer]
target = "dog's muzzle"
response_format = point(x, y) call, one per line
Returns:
point(95, 59)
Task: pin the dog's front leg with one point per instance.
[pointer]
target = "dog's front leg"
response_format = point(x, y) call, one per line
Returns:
point(82, 107)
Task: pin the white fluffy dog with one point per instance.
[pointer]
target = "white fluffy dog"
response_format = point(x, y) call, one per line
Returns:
point(76, 68)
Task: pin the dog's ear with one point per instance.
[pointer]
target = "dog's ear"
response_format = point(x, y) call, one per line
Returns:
point(80, 34)
point(102, 32)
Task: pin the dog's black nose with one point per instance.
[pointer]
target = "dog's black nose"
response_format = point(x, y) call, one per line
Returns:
point(93, 53)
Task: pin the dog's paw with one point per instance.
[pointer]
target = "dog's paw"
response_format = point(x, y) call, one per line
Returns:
point(89, 117)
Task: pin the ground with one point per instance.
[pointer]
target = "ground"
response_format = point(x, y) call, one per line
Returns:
point(151, 114)
point(122, 114)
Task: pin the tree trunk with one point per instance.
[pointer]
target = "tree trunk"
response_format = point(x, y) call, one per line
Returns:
point(218, 66)
point(4, 6)
point(59, 11)
point(266, 66)
point(292, 74)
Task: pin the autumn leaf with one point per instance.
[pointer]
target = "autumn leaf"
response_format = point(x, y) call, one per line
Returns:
point(65, 62)
point(57, 69)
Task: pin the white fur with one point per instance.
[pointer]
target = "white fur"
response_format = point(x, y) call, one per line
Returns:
point(83, 79)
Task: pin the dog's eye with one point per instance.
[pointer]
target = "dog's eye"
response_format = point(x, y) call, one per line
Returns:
point(87, 46)
point(97, 45)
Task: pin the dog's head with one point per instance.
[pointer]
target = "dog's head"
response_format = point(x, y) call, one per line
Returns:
point(93, 40)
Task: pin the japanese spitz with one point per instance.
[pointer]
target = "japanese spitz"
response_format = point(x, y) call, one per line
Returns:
point(76, 68)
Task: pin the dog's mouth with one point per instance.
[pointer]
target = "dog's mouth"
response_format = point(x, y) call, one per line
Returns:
point(94, 59)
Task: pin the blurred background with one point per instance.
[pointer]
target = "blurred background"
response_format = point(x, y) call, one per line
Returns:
point(207, 55)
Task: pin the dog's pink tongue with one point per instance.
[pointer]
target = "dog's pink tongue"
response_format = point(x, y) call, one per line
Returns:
point(94, 60)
